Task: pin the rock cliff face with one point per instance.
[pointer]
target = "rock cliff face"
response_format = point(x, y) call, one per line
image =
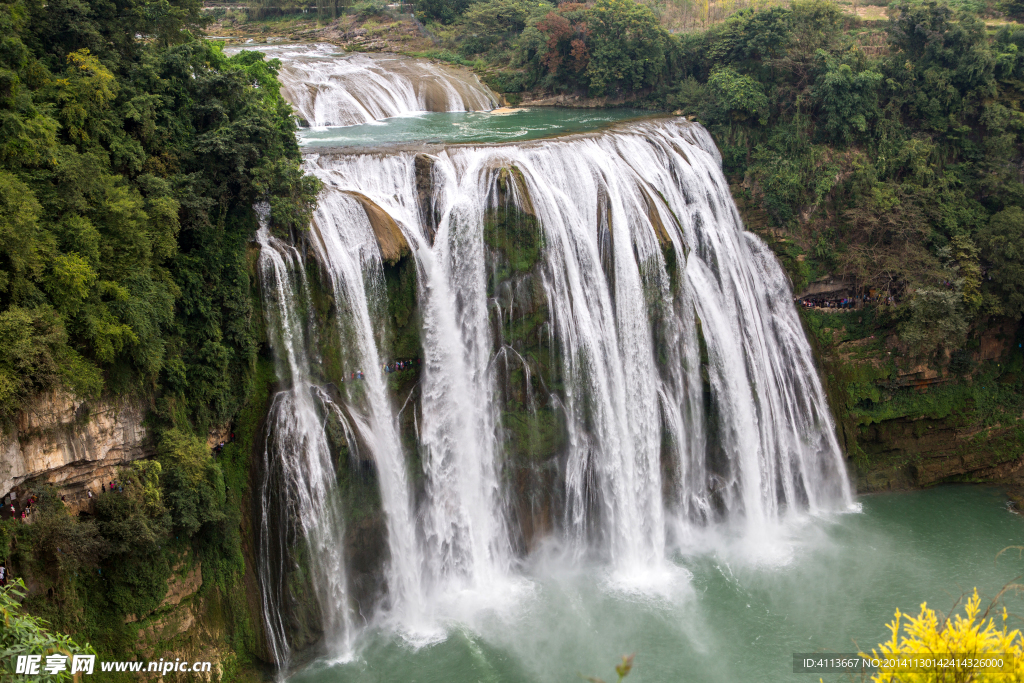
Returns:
point(906, 423)
point(71, 443)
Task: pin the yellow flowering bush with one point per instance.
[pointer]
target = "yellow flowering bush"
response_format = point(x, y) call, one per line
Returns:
point(970, 637)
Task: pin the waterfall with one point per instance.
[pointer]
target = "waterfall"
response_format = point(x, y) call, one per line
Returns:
point(588, 306)
point(345, 243)
point(330, 89)
point(690, 393)
point(299, 511)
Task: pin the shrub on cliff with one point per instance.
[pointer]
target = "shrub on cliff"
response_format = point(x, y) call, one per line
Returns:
point(1002, 243)
point(193, 483)
point(136, 525)
point(62, 544)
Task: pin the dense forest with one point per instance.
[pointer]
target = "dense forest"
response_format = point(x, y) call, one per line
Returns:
point(132, 153)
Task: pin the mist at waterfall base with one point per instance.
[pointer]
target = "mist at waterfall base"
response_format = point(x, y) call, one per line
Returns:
point(700, 513)
point(727, 610)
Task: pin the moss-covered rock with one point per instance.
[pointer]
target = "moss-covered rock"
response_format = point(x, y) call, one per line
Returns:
point(903, 424)
point(424, 169)
point(511, 228)
point(404, 320)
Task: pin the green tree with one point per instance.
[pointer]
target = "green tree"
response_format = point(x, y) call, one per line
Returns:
point(740, 97)
point(847, 98)
point(612, 45)
point(626, 46)
point(491, 25)
point(941, 64)
point(934, 318)
point(23, 634)
point(63, 543)
point(443, 11)
point(1002, 246)
point(193, 482)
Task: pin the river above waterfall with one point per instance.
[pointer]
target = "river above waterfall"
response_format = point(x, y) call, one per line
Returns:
point(507, 125)
point(726, 608)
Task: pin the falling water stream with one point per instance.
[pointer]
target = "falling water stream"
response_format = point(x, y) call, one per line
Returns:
point(331, 88)
point(298, 502)
point(698, 486)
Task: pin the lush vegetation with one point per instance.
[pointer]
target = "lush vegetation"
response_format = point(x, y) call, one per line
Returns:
point(897, 172)
point(130, 160)
point(25, 635)
point(101, 577)
point(132, 154)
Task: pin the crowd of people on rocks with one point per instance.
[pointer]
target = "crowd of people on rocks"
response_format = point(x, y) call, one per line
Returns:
point(399, 365)
point(27, 510)
point(25, 514)
point(388, 368)
point(846, 302)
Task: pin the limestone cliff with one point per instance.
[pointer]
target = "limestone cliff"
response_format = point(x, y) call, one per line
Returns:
point(73, 443)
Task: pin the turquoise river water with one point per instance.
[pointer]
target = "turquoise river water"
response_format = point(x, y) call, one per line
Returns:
point(516, 125)
point(728, 607)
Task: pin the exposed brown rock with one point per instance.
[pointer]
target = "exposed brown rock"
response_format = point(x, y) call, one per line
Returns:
point(655, 217)
point(74, 443)
point(393, 245)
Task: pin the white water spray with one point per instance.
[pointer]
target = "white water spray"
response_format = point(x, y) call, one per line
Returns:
point(632, 344)
point(328, 88)
point(298, 498)
point(345, 243)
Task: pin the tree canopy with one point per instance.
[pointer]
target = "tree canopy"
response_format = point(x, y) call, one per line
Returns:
point(131, 155)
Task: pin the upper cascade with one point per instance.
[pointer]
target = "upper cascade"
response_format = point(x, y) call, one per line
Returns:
point(329, 88)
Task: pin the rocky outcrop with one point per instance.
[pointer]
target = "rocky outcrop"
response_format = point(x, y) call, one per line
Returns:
point(911, 453)
point(393, 245)
point(907, 422)
point(189, 627)
point(424, 195)
point(73, 443)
